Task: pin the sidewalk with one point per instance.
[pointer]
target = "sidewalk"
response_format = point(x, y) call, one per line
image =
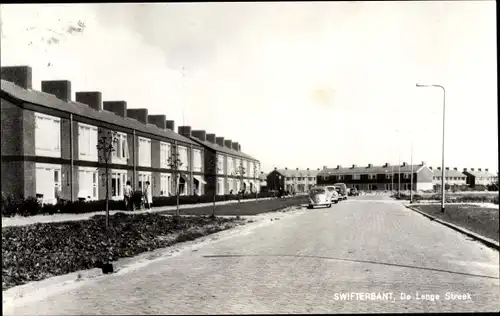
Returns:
point(21, 221)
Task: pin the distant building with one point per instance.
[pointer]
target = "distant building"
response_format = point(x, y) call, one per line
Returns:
point(379, 177)
point(453, 177)
point(296, 180)
point(479, 177)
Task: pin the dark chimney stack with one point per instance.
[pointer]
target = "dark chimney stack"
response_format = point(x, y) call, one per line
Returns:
point(220, 141)
point(211, 138)
point(228, 143)
point(339, 166)
point(19, 75)
point(184, 131)
point(91, 98)
point(139, 114)
point(370, 165)
point(60, 88)
point(478, 169)
point(234, 145)
point(201, 135)
point(159, 120)
point(117, 107)
point(170, 125)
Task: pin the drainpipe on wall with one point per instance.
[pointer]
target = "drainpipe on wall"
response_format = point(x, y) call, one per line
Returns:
point(134, 160)
point(71, 155)
point(191, 169)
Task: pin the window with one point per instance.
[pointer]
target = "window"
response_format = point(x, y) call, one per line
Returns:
point(249, 170)
point(165, 153)
point(387, 176)
point(47, 135)
point(372, 176)
point(220, 164)
point(356, 177)
point(406, 176)
point(118, 182)
point(121, 153)
point(143, 178)
point(325, 178)
point(87, 142)
point(48, 182)
point(183, 156)
point(165, 184)
point(87, 183)
point(340, 177)
point(197, 160)
point(220, 186)
point(144, 152)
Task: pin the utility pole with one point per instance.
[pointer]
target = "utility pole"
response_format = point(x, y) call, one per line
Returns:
point(411, 175)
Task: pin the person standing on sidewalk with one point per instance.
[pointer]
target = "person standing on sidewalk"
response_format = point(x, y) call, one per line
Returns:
point(127, 196)
point(145, 194)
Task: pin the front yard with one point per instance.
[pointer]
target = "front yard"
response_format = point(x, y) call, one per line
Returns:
point(481, 220)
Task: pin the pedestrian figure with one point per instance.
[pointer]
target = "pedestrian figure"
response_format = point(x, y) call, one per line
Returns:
point(145, 194)
point(127, 196)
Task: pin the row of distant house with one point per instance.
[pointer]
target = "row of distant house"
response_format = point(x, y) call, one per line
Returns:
point(49, 147)
point(386, 177)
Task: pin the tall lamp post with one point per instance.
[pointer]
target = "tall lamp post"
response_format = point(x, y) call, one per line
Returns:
point(442, 154)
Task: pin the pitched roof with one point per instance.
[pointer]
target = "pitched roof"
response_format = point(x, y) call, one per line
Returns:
point(222, 149)
point(369, 170)
point(448, 173)
point(294, 173)
point(51, 101)
point(481, 173)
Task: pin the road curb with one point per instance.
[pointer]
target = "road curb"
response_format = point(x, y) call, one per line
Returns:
point(485, 240)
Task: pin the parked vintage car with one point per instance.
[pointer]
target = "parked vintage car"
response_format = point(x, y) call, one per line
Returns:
point(342, 189)
point(320, 196)
point(353, 192)
point(335, 194)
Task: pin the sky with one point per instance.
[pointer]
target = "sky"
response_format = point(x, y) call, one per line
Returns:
point(297, 84)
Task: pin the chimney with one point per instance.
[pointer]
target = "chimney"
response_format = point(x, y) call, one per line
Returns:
point(227, 143)
point(439, 168)
point(19, 75)
point(471, 169)
point(239, 147)
point(486, 169)
point(430, 168)
point(456, 169)
point(201, 135)
point(423, 163)
point(159, 120)
point(307, 169)
point(447, 168)
point(275, 168)
point(286, 168)
point(235, 145)
point(170, 125)
point(117, 107)
point(219, 141)
point(465, 169)
point(318, 169)
point(478, 169)
point(404, 164)
point(354, 166)
point(297, 169)
point(92, 98)
point(211, 138)
point(184, 131)
point(139, 114)
point(60, 88)
point(262, 172)
point(370, 165)
point(386, 165)
point(339, 166)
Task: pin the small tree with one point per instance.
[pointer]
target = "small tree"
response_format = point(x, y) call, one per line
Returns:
point(215, 166)
point(175, 164)
point(255, 175)
point(105, 148)
point(239, 173)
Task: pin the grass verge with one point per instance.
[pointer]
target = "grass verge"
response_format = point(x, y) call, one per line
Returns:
point(480, 220)
point(39, 251)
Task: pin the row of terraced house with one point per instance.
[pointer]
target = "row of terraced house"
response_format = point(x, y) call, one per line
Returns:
point(386, 177)
point(49, 147)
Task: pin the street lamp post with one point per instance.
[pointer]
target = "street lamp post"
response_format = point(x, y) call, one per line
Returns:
point(411, 175)
point(442, 154)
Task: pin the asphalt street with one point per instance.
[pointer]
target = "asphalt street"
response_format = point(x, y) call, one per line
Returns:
point(327, 260)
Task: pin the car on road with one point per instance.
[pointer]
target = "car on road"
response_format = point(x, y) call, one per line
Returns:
point(335, 194)
point(320, 196)
point(353, 192)
point(342, 190)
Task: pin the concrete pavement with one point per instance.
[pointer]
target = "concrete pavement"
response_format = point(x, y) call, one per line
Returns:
point(304, 263)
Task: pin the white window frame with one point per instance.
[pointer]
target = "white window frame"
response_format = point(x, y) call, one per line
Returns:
point(197, 160)
point(372, 177)
point(184, 158)
point(220, 164)
point(387, 176)
point(119, 156)
point(47, 135)
point(165, 184)
point(356, 176)
point(144, 151)
point(121, 175)
point(46, 178)
point(87, 133)
point(91, 175)
point(340, 177)
point(165, 153)
point(220, 186)
point(142, 177)
point(406, 175)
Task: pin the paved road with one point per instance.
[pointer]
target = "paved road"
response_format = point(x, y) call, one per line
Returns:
point(299, 264)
